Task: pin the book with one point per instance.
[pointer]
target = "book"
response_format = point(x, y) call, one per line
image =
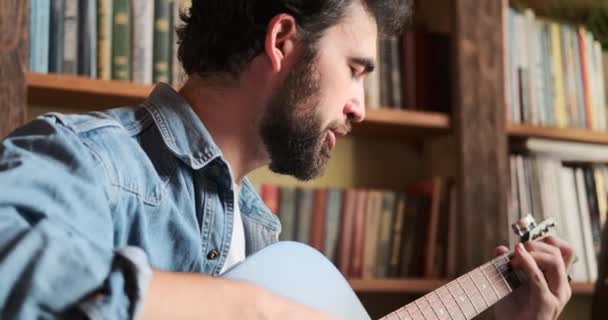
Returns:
point(39, 12)
point(70, 37)
point(87, 38)
point(143, 36)
point(104, 38)
point(162, 38)
point(56, 36)
point(121, 40)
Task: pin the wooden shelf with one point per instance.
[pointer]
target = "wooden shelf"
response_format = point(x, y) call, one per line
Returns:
point(70, 91)
point(577, 135)
point(422, 286)
point(86, 94)
point(580, 288)
point(388, 123)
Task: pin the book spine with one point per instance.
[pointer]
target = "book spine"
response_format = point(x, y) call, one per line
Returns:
point(143, 35)
point(162, 38)
point(104, 39)
point(317, 230)
point(56, 36)
point(87, 36)
point(121, 40)
point(40, 11)
point(287, 212)
point(70, 37)
point(304, 200)
point(332, 224)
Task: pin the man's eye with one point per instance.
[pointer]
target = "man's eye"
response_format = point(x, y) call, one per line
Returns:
point(353, 72)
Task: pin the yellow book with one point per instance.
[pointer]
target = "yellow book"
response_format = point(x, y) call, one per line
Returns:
point(558, 76)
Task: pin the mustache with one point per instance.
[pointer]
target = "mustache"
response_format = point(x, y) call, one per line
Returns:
point(341, 129)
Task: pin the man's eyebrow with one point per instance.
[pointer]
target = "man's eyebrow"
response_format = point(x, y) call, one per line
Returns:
point(367, 63)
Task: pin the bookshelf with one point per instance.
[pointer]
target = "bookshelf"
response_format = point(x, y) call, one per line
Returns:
point(564, 134)
point(87, 94)
point(477, 127)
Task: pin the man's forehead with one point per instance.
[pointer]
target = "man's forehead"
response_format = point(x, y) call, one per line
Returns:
point(358, 30)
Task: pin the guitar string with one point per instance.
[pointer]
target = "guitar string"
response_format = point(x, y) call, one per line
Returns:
point(496, 278)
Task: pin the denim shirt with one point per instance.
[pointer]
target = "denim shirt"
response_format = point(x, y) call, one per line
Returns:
point(90, 203)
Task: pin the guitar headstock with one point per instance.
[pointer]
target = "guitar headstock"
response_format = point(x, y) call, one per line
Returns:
point(528, 230)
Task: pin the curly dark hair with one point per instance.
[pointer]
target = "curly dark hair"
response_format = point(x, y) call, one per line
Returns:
point(222, 36)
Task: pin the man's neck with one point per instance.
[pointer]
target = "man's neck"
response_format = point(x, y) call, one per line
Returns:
point(231, 115)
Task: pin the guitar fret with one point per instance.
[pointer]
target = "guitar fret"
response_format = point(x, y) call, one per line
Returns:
point(504, 278)
point(424, 308)
point(504, 287)
point(493, 293)
point(481, 288)
point(437, 315)
point(479, 301)
point(468, 296)
point(459, 296)
point(450, 303)
point(438, 306)
point(414, 311)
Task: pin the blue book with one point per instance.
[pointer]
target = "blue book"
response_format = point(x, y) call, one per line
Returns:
point(40, 11)
point(87, 38)
point(56, 36)
point(332, 224)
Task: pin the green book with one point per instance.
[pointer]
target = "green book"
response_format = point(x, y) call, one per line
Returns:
point(121, 40)
point(162, 40)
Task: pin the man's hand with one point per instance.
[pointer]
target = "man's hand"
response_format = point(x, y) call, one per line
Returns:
point(197, 296)
point(547, 291)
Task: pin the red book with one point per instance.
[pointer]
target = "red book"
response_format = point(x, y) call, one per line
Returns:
point(317, 230)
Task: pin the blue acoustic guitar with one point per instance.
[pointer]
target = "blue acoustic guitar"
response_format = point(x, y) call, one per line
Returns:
point(306, 276)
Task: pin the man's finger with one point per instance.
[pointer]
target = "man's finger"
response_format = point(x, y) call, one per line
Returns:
point(555, 274)
point(566, 249)
point(500, 250)
point(536, 280)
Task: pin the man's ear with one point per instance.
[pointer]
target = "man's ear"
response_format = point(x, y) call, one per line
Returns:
point(280, 39)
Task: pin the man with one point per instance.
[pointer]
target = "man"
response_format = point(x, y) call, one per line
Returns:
point(126, 213)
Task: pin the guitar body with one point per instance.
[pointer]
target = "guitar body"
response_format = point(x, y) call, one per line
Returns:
point(301, 273)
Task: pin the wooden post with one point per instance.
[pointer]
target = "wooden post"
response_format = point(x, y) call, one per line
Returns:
point(479, 126)
point(13, 63)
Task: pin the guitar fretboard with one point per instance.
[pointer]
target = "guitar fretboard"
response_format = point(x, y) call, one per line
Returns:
point(465, 297)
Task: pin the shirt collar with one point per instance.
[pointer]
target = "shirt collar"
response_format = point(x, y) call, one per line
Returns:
point(181, 129)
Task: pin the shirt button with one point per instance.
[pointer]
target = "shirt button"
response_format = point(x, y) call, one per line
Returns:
point(213, 254)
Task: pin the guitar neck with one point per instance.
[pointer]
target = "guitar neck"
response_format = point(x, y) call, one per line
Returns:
point(465, 297)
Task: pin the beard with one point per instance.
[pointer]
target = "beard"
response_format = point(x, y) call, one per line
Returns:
point(291, 127)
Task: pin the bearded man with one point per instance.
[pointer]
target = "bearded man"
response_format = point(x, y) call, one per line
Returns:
point(134, 212)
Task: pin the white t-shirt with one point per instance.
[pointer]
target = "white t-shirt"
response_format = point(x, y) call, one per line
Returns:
point(237, 242)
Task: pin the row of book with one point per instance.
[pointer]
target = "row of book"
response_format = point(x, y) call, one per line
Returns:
point(369, 233)
point(574, 195)
point(132, 40)
point(413, 72)
point(555, 74)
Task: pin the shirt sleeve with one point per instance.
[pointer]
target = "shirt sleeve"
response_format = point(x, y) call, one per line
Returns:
point(56, 233)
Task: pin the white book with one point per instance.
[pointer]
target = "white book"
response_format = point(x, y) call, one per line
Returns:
point(585, 220)
point(524, 205)
point(568, 151)
point(534, 65)
point(143, 38)
point(572, 225)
